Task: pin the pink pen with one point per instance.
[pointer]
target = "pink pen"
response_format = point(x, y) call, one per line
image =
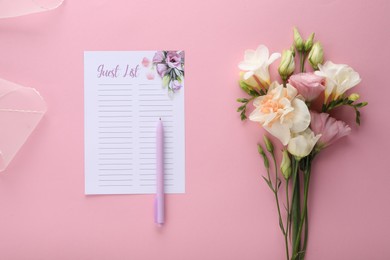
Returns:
point(159, 200)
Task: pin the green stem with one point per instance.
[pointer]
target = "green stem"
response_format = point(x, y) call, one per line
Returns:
point(287, 220)
point(302, 61)
point(304, 211)
point(308, 172)
point(295, 206)
point(277, 181)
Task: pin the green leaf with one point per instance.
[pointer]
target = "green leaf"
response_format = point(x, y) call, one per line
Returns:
point(357, 117)
point(279, 183)
point(244, 86)
point(243, 116)
point(242, 100)
point(241, 108)
point(268, 183)
point(253, 93)
point(360, 105)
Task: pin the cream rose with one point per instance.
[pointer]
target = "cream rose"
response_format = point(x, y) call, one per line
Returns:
point(280, 112)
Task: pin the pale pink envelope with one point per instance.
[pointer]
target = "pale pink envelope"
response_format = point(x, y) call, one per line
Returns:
point(21, 109)
point(13, 8)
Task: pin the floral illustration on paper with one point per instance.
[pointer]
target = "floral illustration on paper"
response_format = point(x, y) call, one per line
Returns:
point(170, 67)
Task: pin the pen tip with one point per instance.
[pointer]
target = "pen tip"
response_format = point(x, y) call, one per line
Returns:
point(160, 118)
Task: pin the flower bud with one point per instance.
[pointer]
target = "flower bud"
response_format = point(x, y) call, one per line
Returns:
point(268, 144)
point(292, 49)
point(353, 97)
point(298, 41)
point(250, 83)
point(260, 150)
point(244, 86)
point(309, 43)
point(285, 165)
point(265, 159)
point(316, 55)
point(287, 64)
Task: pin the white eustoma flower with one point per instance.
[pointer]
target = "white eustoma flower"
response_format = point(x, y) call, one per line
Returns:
point(300, 145)
point(280, 112)
point(338, 78)
point(256, 63)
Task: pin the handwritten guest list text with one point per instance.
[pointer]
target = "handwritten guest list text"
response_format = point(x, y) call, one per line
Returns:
point(123, 98)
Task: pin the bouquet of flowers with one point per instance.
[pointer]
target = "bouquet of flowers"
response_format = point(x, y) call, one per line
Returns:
point(170, 67)
point(296, 112)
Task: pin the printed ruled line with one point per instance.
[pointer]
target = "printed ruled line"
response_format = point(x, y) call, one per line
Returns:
point(115, 116)
point(123, 126)
point(106, 95)
point(155, 116)
point(111, 100)
point(149, 121)
point(116, 174)
point(119, 148)
point(114, 121)
point(116, 89)
point(113, 153)
point(154, 100)
point(156, 110)
point(115, 137)
point(152, 95)
point(115, 111)
point(115, 84)
point(110, 132)
point(117, 143)
point(113, 185)
point(116, 169)
point(115, 164)
point(116, 180)
point(115, 159)
point(115, 105)
point(157, 105)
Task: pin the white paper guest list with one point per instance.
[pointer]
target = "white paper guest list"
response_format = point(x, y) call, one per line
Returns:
point(125, 94)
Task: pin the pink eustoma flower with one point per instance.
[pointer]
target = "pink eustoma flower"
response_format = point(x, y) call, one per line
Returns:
point(158, 57)
point(161, 69)
point(309, 85)
point(173, 59)
point(329, 128)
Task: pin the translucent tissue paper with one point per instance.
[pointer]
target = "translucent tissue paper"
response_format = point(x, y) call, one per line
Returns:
point(21, 109)
point(14, 8)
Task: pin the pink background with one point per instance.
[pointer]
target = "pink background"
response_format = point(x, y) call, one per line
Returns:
point(228, 211)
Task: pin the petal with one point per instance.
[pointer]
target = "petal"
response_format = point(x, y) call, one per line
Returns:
point(280, 131)
point(257, 101)
point(301, 118)
point(262, 54)
point(298, 146)
point(263, 74)
point(248, 74)
point(291, 91)
point(249, 55)
point(273, 57)
point(244, 65)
